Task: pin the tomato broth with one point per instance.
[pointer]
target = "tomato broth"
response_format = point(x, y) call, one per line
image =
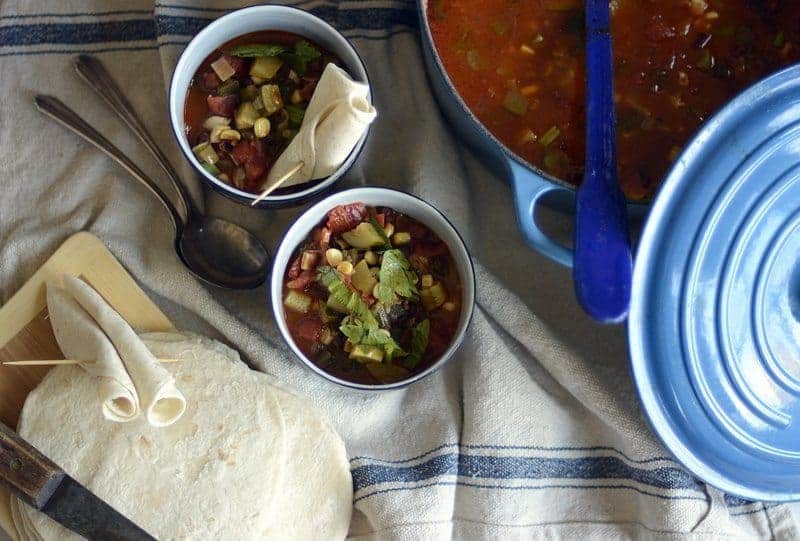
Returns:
point(519, 65)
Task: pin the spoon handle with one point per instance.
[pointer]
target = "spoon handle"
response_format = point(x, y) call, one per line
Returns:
point(55, 109)
point(94, 73)
point(602, 269)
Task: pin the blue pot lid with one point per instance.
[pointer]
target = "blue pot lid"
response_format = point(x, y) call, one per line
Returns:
point(714, 326)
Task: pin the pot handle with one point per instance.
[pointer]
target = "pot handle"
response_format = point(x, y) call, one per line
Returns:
point(529, 188)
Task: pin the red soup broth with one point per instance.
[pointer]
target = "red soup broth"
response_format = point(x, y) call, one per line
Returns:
point(519, 65)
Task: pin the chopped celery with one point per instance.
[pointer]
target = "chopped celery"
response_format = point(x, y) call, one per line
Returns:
point(550, 136)
point(206, 153)
point(515, 103)
point(211, 168)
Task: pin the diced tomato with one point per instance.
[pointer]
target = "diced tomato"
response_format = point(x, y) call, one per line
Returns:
point(381, 219)
point(321, 238)
point(302, 281)
point(210, 80)
point(238, 64)
point(308, 330)
point(346, 217)
point(222, 105)
point(294, 268)
point(308, 88)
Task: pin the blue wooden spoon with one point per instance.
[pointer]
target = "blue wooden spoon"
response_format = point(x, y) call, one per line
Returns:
point(602, 269)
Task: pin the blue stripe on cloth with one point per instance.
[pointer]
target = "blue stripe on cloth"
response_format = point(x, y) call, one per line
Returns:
point(72, 15)
point(520, 448)
point(149, 29)
point(519, 468)
point(532, 487)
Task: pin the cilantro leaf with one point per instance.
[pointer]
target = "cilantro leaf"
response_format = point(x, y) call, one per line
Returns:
point(359, 334)
point(346, 296)
point(396, 277)
point(419, 343)
point(302, 54)
point(381, 233)
point(253, 50)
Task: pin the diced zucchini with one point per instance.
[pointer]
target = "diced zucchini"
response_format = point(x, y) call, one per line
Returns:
point(433, 297)
point(367, 354)
point(223, 68)
point(299, 302)
point(206, 153)
point(265, 67)
point(271, 98)
point(363, 236)
point(336, 306)
point(246, 116)
point(362, 279)
point(401, 238)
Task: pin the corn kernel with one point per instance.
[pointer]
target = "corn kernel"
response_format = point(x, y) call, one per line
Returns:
point(376, 289)
point(371, 258)
point(401, 238)
point(296, 97)
point(345, 267)
point(334, 256)
point(261, 127)
point(230, 135)
point(449, 306)
point(427, 280)
point(388, 229)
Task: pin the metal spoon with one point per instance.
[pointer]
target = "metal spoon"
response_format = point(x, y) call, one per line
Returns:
point(602, 266)
point(214, 250)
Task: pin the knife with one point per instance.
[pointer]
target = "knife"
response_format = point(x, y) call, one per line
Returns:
point(40, 483)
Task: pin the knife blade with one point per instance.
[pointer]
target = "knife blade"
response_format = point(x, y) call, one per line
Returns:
point(42, 484)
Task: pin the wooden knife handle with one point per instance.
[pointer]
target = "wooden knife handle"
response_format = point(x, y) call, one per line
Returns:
point(31, 476)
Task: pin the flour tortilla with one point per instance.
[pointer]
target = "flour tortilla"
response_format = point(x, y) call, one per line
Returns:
point(298, 488)
point(211, 475)
point(79, 337)
point(336, 118)
point(161, 401)
point(317, 499)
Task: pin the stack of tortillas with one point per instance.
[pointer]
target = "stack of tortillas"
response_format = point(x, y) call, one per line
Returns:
point(337, 116)
point(246, 460)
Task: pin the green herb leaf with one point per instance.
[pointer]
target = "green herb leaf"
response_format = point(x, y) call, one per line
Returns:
point(296, 114)
point(359, 334)
point(387, 245)
point(253, 50)
point(419, 343)
point(302, 54)
point(396, 277)
point(328, 277)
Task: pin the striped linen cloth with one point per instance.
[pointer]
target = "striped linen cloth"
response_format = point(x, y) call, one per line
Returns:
point(532, 431)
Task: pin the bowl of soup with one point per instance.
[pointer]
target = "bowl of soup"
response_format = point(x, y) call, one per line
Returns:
point(239, 93)
point(510, 77)
point(372, 288)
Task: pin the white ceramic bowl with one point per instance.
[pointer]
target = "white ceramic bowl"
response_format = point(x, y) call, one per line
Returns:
point(407, 204)
point(233, 25)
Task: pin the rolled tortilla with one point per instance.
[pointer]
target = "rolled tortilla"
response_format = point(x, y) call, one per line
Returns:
point(79, 337)
point(336, 118)
point(161, 401)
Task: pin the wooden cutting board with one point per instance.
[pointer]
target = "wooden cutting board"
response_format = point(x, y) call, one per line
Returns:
point(25, 331)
